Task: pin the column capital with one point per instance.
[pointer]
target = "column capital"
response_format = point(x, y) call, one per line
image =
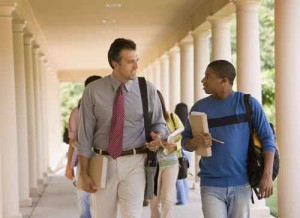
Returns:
point(219, 19)
point(35, 48)
point(28, 39)
point(175, 49)
point(202, 34)
point(188, 40)
point(164, 57)
point(6, 8)
point(19, 25)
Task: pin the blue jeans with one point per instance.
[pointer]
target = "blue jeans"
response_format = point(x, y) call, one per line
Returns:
point(84, 204)
point(226, 202)
point(84, 199)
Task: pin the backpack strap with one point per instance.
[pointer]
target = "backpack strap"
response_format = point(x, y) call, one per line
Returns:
point(173, 121)
point(247, 105)
point(144, 96)
point(249, 116)
point(151, 155)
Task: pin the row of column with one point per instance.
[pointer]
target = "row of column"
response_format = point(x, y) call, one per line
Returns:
point(24, 147)
point(190, 57)
point(194, 56)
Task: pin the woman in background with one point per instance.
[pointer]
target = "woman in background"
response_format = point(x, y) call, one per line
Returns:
point(167, 155)
point(182, 185)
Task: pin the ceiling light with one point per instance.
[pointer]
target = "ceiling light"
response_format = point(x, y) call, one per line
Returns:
point(113, 5)
point(109, 21)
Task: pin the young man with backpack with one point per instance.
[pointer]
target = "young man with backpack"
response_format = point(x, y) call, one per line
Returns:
point(225, 190)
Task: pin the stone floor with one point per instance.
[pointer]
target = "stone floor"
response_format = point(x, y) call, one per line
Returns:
point(57, 199)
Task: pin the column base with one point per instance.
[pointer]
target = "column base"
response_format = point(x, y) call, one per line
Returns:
point(26, 202)
point(40, 182)
point(34, 192)
point(260, 212)
point(45, 174)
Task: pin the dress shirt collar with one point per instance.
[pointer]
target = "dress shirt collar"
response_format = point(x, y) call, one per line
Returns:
point(116, 83)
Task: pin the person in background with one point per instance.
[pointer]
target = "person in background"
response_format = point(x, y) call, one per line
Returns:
point(83, 197)
point(182, 185)
point(167, 155)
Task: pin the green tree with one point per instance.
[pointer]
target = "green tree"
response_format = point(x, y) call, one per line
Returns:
point(70, 93)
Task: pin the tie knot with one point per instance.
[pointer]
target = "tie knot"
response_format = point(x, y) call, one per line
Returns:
point(120, 89)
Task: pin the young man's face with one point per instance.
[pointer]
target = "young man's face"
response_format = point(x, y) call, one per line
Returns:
point(211, 82)
point(128, 65)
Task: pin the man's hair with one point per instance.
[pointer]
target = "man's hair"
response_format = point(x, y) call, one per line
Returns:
point(91, 79)
point(116, 47)
point(223, 68)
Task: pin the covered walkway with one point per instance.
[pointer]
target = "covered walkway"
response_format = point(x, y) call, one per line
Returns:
point(44, 43)
point(58, 200)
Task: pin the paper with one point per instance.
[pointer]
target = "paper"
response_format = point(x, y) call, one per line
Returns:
point(97, 171)
point(172, 138)
point(199, 125)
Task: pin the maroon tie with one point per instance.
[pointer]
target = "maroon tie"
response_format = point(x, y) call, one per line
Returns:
point(117, 125)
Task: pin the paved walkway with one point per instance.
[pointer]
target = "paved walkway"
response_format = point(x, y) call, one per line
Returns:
point(58, 200)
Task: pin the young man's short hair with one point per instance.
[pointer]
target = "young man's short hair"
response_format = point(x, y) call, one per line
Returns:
point(223, 68)
point(116, 47)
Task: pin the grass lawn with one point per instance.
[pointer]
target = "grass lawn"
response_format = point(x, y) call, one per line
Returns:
point(272, 201)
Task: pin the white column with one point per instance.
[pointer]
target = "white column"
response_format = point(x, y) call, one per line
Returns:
point(19, 64)
point(1, 193)
point(148, 73)
point(248, 53)
point(38, 109)
point(201, 60)
point(287, 60)
point(28, 38)
point(8, 119)
point(56, 152)
point(174, 76)
point(248, 64)
point(156, 74)
point(164, 79)
point(187, 72)
point(43, 62)
point(221, 43)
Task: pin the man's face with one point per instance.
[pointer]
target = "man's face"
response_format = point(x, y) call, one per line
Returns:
point(128, 65)
point(211, 82)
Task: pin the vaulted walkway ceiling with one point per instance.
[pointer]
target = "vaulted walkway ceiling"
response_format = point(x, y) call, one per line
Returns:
point(78, 33)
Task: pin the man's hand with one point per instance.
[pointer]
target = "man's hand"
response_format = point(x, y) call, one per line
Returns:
point(203, 140)
point(88, 184)
point(156, 142)
point(265, 186)
point(266, 183)
point(69, 173)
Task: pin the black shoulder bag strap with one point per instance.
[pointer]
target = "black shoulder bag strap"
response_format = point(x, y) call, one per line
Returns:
point(147, 122)
point(251, 143)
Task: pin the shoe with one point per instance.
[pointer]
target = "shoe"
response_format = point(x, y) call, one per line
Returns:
point(179, 203)
point(145, 203)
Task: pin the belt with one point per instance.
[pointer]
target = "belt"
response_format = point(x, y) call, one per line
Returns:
point(140, 150)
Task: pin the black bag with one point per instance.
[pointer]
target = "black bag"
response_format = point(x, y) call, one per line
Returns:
point(183, 161)
point(255, 161)
point(183, 166)
point(151, 163)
